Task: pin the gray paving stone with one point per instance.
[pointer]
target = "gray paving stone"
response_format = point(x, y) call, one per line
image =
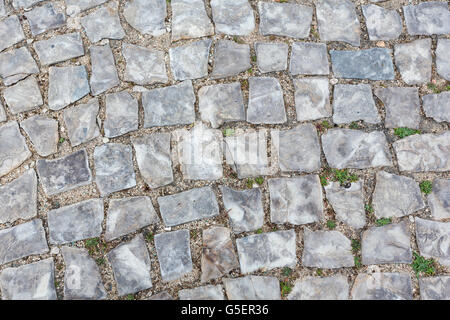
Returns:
point(230, 58)
point(382, 286)
point(67, 85)
point(103, 23)
point(309, 58)
point(73, 7)
point(208, 292)
point(154, 159)
point(10, 31)
point(17, 4)
point(235, 18)
point(174, 254)
point(187, 206)
point(338, 21)
point(172, 105)
point(190, 61)
point(326, 249)
point(267, 251)
point(252, 288)
point(146, 16)
point(2, 113)
point(3, 9)
point(265, 102)
point(163, 295)
point(127, 215)
point(402, 106)
point(19, 198)
point(122, 114)
point(34, 281)
point(427, 18)
point(59, 48)
point(381, 23)
point(372, 64)
point(437, 106)
point(23, 96)
point(144, 66)
point(82, 280)
point(423, 152)
point(21, 241)
point(114, 168)
point(396, 196)
point(65, 173)
point(245, 208)
point(284, 19)
point(298, 149)
point(43, 133)
point(218, 256)
point(386, 244)
point(271, 56)
point(45, 18)
point(79, 221)
point(81, 122)
point(189, 20)
point(312, 98)
point(16, 64)
point(442, 58)
point(414, 61)
point(221, 103)
point(439, 199)
point(346, 148)
point(347, 203)
point(320, 288)
point(13, 148)
point(104, 73)
point(432, 239)
point(435, 288)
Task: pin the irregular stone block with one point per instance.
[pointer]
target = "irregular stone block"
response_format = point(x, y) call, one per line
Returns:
point(45, 18)
point(190, 61)
point(435, 288)
point(202, 293)
point(59, 48)
point(146, 16)
point(73, 7)
point(320, 288)
point(25, 4)
point(414, 61)
point(439, 199)
point(252, 288)
point(13, 148)
point(382, 286)
point(2, 113)
point(233, 17)
point(382, 24)
point(16, 64)
point(104, 73)
point(427, 18)
point(437, 106)
point(122, 114)
point(433, 240)
point(189, 20)
point(104, 23)
point(312, 98)
point(271, 56)
point(309, 58)
point(23, 96)
point(81, 122)
point(10, 31)
point(164, 295)
point(265, 102)
point(230, 58)
point(442, 58)
point(2, 9)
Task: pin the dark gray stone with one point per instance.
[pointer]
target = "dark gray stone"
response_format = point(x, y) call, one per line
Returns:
point(10, 31)
point(309, 58)
point(265, 102)
point(230, 58)
point(433, 240)
point(320, 288)
point(435, 288)
point(23, 96)
point(16, 64)
point(146, 16)
point(427, 18)
point(189, 20)
point(73, 7)
point(442, 58)
point(103, 23)
point(414, 60)
point(13, 148)
point(437, 106)
point(439, 199)
point(381, 23)
point(104, 73)
point(209, 292)
point(233, 17)
point(81, 122)
point(271, 56)
point(382, 286)
point(190, 61)
point(252, 288)
point(59, 48)
point(121, 115)
point(45, 18)
point(312, 99)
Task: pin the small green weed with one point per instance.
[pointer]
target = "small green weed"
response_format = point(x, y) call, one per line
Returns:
point(404, 132)
point(343, 176)
point(319, 272)
point(422, 265)
point(354, 125)
point(228, 132)
point(287, 271)
point(285, 288)
point(426, 186)
point(383, 221)
point(259, 180)
point(356, 245)
point(368, 208)
point(331, 224)
point(250, 183)
point(358, 263)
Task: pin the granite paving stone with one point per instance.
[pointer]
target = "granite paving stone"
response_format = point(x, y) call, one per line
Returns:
point(252, 288)
point(309, 58)
point(230, 58)
point(320, 288)
point(121, 115)
point(146, 16)
point(45, 18)
point(433, 239)
point(3, 9)
point(190, 61)
point(208, 292)
point(190, 20)
point(437, 106)
point(23, 96)
point(2, 112)
point(104, 73)
point(81, 122)
point(439, 199)
point(25, 4)
point(59, 48)
point(265, 102)
point(74, 7)
point(10, 31)
point(312, 98)
point(16, 64)
point(103, 23)
point(427, 18)
point(43, 133)
point(233, 17)
point(435, 288)
point(271, 56)
point(443, 58)
point(13, 148)
point(163, 295)
point(381, 23)
point(414, 60)
point(382, 286)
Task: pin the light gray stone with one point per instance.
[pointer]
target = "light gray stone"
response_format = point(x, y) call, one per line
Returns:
point(103, 23)
point(2, 9)
point(312, 99)
point(433, 240)
point(43, 133)
point(427, 18)
point(320, 288)
point(13, 148)
point(414, 61)
point(209, 292)
point(128, 215)
point(267, 251)
point(189, 20)
point(190, 61)
point(381, 23)
point(233, 17)
point(187, 206)
point(114, 168)
point(435, 288)
point(23, 96)
point(45, 18)
point(16, 64)
point(252, 288)
point(73, 7)
point(17, 4)
point(265, 102)
point(163, 295)
point(309, 58)
point(382, 286)
point(271, 56)
point(81, 122)
point(59, 48)
point(442, 58)
point(10, 31)
point(2, 113)
point(230, 58)
point(437, 106)
point(65, 173)
point(174, 254)
point(439, 199)
point(146, 16)
point(122, 114)
point(104, 73)
point(79, 221)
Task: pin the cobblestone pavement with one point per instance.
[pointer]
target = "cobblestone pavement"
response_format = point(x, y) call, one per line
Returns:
point(219, 149)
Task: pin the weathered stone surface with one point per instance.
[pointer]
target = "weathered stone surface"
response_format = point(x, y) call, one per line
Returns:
point(17, 4)
point(127, 215)
point(146, 16)
point(104, 73)
point(346, 148)
point(169, 106)
point(218, 256)
point(271, 56)
point(67, 85)
point(435, 288)
point(402, 106)
point(312, 98)
point(187, 206)
point(284, 19)
point(82, 220)
point(433, 239)
point(174, 254)
point(74, 7)
point(34, 281)
point(386, 244)
point(81, 122)
point(10, 31)
point(230, 58)
point(423, 152)
point(13, 148)
point(43, 133)
point(45, 18)
point(252, 288)
point(233, 17)
point(442, 58)
point(2, 9)
point(326, 249)
point(190, 61)
point(209, 292)
point(2, 113)
point(298, 149)
point(23, 96)
point(244, 208)
point(382, 24)
point(320, 288)
point(104, 23)
point(338, 21)
point(189, 20)
point(153, 158)
point(221, 103)
point(309, 58)
point(382, 286)
point(16, 64)
point(347, 203)
point(427, 18)
point(439, 199)
point(164, 295)
point(21, 241)
point(266, 102)
point(437, 106)
point(267, 251)
point(122, 114)
point(396, 196)
point(63, 174)
point(82, 280)
point(113, 168)
point(59, 48)
point(414, 61)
